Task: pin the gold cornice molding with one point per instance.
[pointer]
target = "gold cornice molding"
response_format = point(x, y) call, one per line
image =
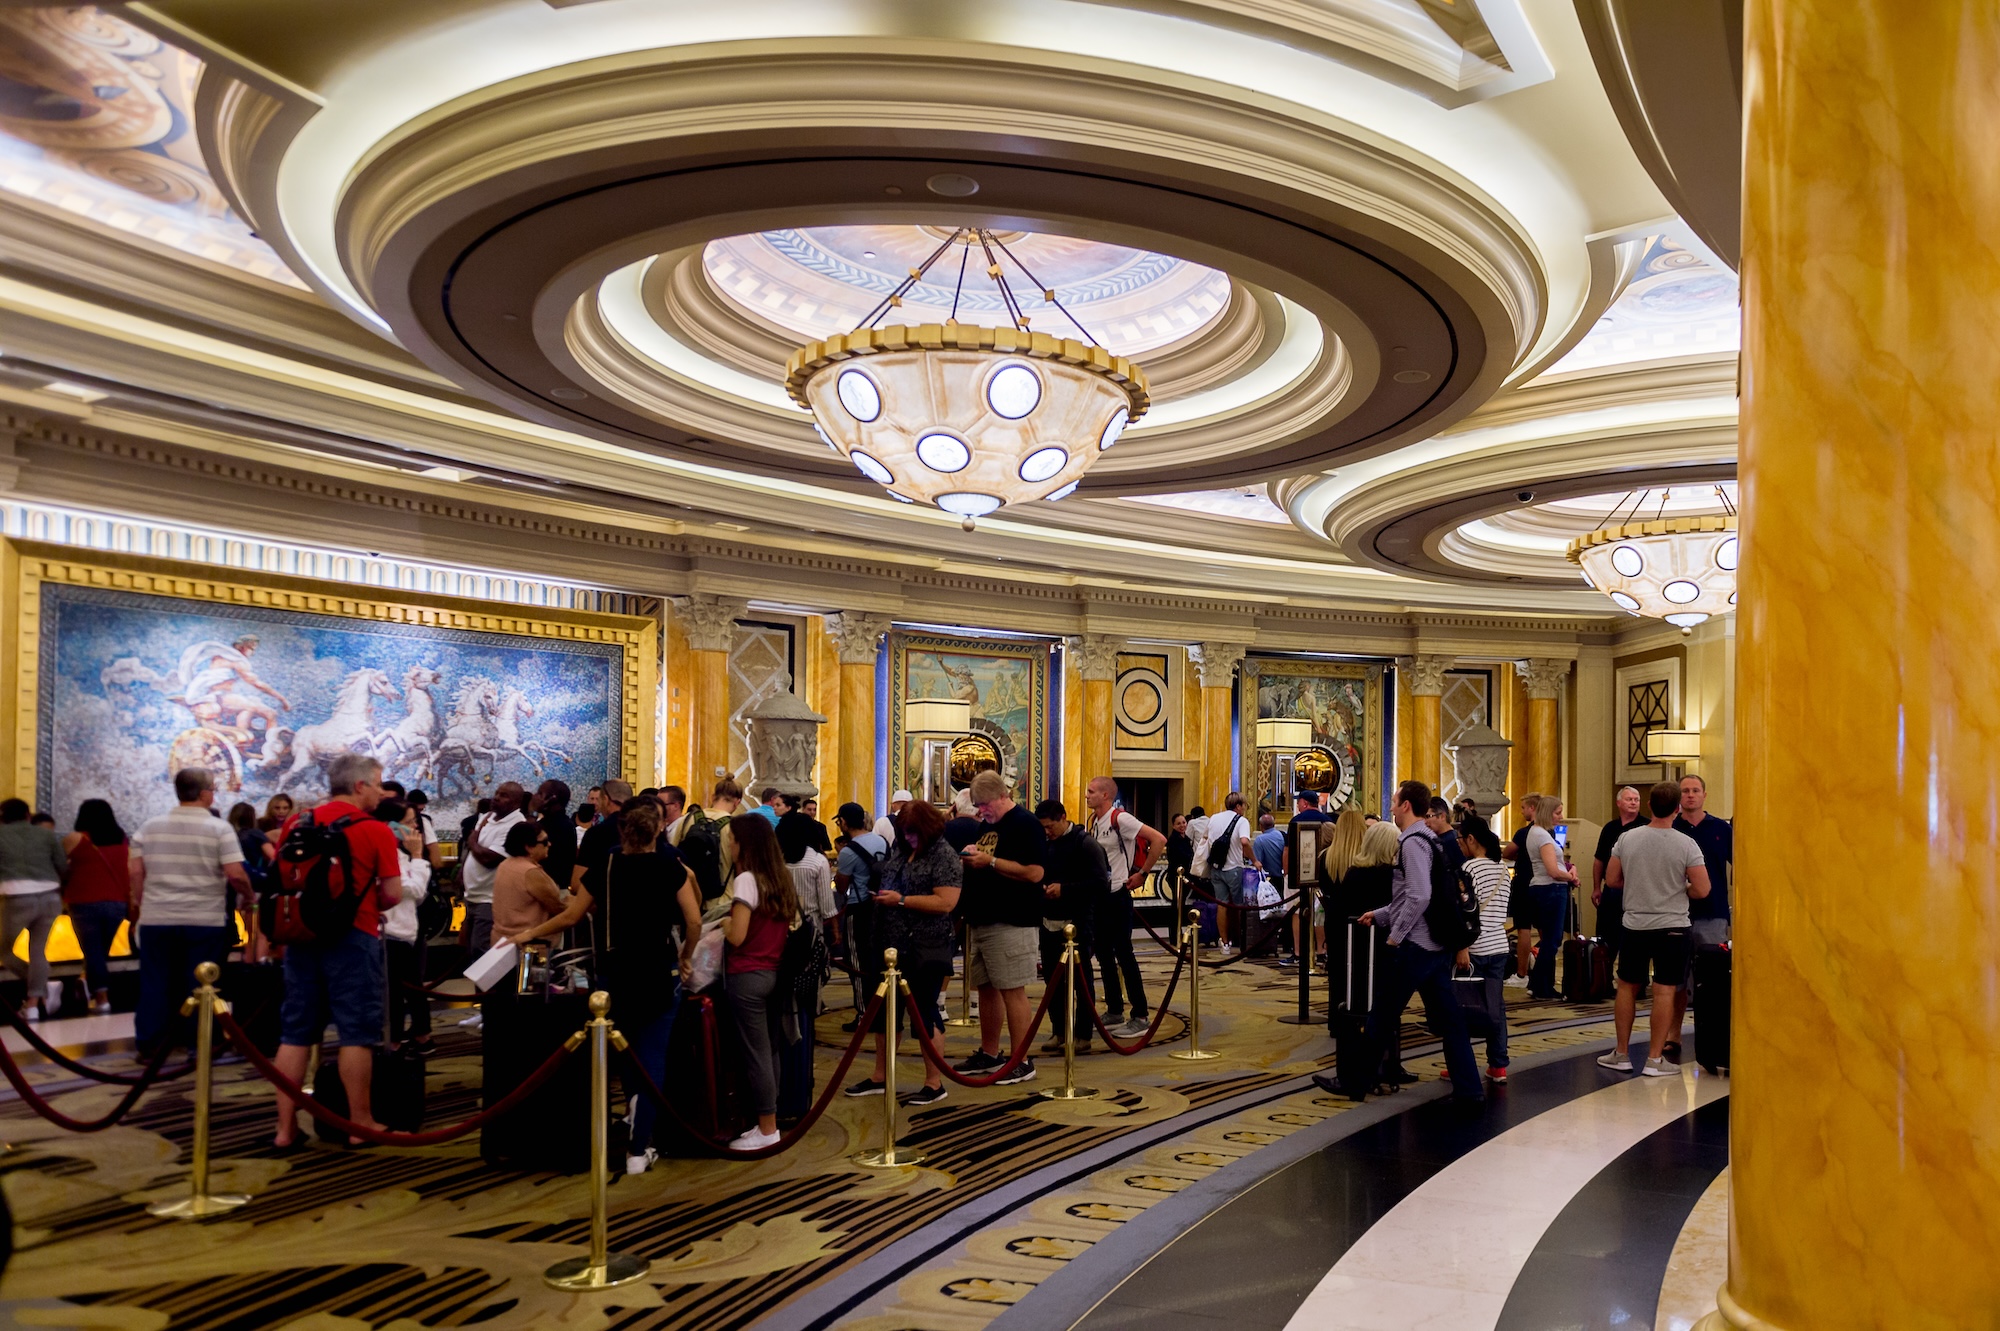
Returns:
point(787, 87)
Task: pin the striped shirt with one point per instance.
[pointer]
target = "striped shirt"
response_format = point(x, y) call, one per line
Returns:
point(1489, 888)
point(185, 852)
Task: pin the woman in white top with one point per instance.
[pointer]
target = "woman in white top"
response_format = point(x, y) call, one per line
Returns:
point(1489, 956)
point(1548, 896)
point(409, 1012)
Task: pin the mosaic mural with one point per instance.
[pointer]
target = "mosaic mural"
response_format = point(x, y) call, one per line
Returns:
point(1340, 699)
point(818, 281)
point(134, 687)
point(1008, 687)
point(94, 120)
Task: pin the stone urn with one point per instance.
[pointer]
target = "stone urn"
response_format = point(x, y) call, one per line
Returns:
point(1479, 759)
point(784, 743)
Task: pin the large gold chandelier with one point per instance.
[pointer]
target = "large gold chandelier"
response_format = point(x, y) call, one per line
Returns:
point(966, 417)
point(1680, 569)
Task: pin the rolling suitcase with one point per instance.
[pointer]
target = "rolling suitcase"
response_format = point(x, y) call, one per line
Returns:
point(699, 1084)
point(550, 1130)
point(256, 992)
point(1713, 965)
point(1357, 1059)
point(395, 1088)
point(1586, 974)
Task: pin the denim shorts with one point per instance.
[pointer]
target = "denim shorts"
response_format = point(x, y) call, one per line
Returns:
point(1227, 885)
point(338, 982)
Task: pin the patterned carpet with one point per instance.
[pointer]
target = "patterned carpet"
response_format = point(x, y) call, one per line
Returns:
point(383, 1239)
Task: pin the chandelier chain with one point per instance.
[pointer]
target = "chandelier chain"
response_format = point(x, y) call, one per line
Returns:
point(987, 241)
point(1047, 291)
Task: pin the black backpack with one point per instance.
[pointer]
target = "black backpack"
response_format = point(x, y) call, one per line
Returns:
point(862, 886)
point(1218, 844)
point(802, 966)
point(701, 851)
point(1453, 912)
point(317, 896)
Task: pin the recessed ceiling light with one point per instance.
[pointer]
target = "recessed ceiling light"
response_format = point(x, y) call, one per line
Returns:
point(868, 254)
point(1410, 376)
point(568, 394)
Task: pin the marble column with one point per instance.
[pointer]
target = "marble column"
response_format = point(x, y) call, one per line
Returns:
point(1096, 657)
point(709, 625)
point(1426, 677)
point(858, 640)
point(1543, 680)
point(1216, 663)
point(1865, 1107)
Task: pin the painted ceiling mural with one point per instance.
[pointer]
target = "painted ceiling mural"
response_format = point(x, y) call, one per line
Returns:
point(818, 281)
point(94, 120)
point(1676, 305)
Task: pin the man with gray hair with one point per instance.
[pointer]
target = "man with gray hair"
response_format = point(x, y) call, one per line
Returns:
point(340, 980)
point(183, 866)
point(1002, 905)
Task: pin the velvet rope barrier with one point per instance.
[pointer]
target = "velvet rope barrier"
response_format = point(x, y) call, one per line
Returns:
point(921, 1030)
point(62, 1120)
point(1165, 946)
point(645, 1081)
point(56, 1056)
point(1159, 1012)
point(303, 1099)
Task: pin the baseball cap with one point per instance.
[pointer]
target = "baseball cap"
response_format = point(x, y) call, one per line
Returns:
point(901, 797)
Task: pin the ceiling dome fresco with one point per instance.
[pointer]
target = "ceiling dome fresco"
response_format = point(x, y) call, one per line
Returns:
point(818, 281)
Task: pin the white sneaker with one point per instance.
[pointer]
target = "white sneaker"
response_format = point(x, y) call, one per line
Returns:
point(54, 1004)
point(753, 1140)
point(1658, 1067)
point(1616, 1060)
point(31, 1012)
point(473, 1022)
point(639, 1164)
point(1515, 982)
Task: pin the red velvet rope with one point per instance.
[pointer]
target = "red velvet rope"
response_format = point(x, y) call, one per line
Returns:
point(936, 1056)
point(62, 1120)
point(304, 1100)
point(56, 1056)
point(1159, 1013)
point(789, 1139)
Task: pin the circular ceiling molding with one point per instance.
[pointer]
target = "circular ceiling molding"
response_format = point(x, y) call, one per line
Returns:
point(523, 199)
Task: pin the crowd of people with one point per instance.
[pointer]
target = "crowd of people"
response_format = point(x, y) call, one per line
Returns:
point(746, 897)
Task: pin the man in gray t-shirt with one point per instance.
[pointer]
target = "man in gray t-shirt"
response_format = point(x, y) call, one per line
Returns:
point(1659, 869)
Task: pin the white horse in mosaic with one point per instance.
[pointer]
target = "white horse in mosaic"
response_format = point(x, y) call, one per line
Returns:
point(410, 740)
point(470, 733)
point(350, 725)
point(514, 707)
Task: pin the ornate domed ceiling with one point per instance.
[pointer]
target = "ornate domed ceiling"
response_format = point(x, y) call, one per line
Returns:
point(818, 281)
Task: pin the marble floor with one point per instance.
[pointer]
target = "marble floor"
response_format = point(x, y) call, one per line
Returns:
point(1576, 1198)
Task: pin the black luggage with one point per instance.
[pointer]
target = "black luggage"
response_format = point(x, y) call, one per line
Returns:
point(550, 1130)
point(1713, 964)
point(1586, 974)
point(1357, 1058)
point(256, 994)
point(395, 1092)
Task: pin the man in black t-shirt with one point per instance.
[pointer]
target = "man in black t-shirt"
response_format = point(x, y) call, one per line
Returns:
point(1076, 879)
point(1002, 906)
point(1610, 901)
point(550, 808)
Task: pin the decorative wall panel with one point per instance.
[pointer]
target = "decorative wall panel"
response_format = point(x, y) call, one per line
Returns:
point(1006, 682)
point(762, 661)
point(1147, 705)
point(131, 669)
point(1466, 702)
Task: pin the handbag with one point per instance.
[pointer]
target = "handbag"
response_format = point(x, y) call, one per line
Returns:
point(705, 965)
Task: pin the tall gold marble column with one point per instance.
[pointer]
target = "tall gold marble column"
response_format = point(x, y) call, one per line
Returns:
point(1543, 680)
point(1865, 1107)
point(1096, 657)
point(1426, 677)
point(709, 625)
point(858, 638)
point(1216, 662)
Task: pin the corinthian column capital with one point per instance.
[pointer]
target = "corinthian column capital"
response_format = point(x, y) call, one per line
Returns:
point(709, 621)
point(1096, 655)
point(857, 636)
point(1425, 674)
point(1542, 676)
point(1217, 662)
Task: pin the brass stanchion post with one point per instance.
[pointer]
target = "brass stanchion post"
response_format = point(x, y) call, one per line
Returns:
point(1194, 1051)
point(889, 1157)
point(964, 1017)
point(1070, 1090)
point(602, 1269)
point(202, 1005)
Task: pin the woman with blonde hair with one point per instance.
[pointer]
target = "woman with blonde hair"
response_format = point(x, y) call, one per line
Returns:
point(763, 911)
point(1360, 875)
point(1548, 895)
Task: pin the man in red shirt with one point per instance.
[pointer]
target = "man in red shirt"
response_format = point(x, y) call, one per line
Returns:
point(342, 981)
